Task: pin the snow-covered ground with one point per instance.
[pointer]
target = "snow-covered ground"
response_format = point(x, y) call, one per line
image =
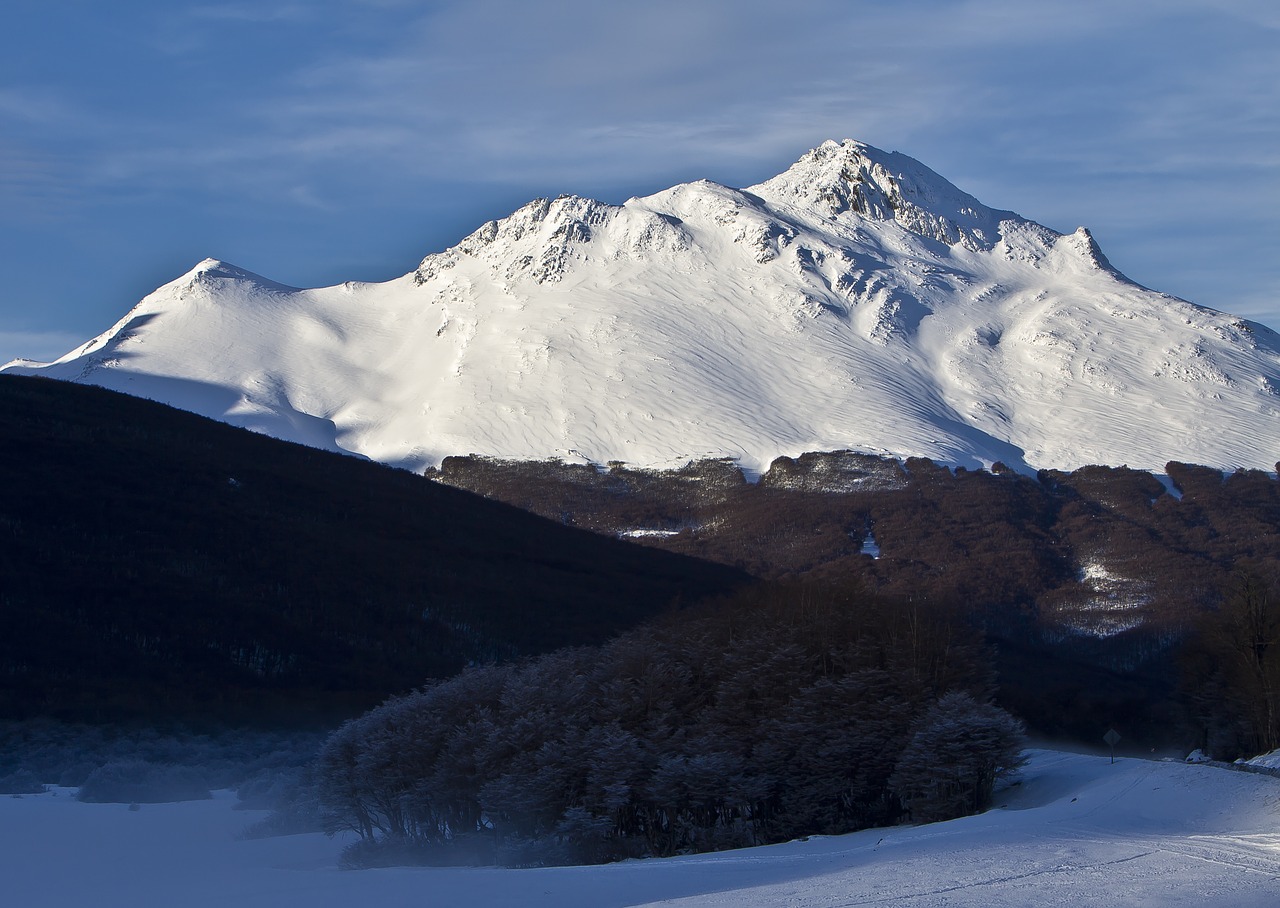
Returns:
point(1078, 830)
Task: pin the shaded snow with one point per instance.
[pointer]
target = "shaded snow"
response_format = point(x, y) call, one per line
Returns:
point(1110, 602)
point(1267, 761)
point(1077, 831)
point(1116, 604)
point(1170, 489)
point(857, 301)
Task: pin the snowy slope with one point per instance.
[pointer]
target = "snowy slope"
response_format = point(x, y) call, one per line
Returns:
point(857, 300)
point(1076, 831)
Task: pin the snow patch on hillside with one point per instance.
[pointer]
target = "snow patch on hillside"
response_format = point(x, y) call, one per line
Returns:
point(1115, 604)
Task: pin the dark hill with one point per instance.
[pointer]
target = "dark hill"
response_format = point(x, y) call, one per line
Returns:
point(157, 564)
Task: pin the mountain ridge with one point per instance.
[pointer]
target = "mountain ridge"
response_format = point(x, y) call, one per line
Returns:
point(856, 300)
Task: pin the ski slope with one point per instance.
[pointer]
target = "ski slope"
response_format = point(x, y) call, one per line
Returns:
point(1077, 830)
point(856, 301)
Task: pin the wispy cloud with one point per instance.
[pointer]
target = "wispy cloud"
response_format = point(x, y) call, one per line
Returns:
point(518, 91)
point(504, 90)
point(34, 185)
point(251, 12)
point(308, 197)
point(37, 105)
point(1109, 114)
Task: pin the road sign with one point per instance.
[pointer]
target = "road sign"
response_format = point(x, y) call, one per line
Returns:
point(1112, 737)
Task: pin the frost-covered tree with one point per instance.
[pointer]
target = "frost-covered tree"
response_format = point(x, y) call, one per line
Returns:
point(779, 714)
point(950, 766)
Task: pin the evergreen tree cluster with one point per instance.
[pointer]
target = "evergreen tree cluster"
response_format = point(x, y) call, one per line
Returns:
point(787, 711)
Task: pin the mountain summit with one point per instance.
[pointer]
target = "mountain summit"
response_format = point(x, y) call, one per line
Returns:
point(857, 300)
point(849, 176)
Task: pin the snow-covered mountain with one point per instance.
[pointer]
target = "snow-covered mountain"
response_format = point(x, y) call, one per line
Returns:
point(857, 300)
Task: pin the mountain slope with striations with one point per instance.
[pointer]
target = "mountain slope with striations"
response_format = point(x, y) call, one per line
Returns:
point(856, 301)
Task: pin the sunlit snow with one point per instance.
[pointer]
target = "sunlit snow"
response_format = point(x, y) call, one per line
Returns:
point(856, 301)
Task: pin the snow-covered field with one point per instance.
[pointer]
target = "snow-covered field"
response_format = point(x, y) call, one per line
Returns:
point(1077, 830)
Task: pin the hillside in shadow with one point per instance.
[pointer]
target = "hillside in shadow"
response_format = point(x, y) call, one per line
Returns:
point(156, 564)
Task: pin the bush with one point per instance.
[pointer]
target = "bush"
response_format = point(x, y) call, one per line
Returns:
point(141, 782)
point(289, 795)
point(959, 749)
point(22, 781)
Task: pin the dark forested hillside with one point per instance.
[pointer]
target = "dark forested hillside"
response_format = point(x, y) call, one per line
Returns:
point(1100, 587)
point(1089, 551)
point(158, 564)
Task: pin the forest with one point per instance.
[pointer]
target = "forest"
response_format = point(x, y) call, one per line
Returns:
point(1109, 595)
point(785, 711)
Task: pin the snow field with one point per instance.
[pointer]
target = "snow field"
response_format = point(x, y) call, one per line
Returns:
point(1077, 830)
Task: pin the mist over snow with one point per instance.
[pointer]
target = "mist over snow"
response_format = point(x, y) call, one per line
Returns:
point(858, 300)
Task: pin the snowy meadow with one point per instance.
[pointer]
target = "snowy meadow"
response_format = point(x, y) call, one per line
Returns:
point(1071, 829)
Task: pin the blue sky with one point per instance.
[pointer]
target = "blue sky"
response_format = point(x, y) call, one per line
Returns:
point(321, 141)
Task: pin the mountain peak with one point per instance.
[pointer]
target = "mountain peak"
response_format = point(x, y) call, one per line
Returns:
point(850, 178)
point(211, 270)
point(214, 268)
point(1086, 247)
